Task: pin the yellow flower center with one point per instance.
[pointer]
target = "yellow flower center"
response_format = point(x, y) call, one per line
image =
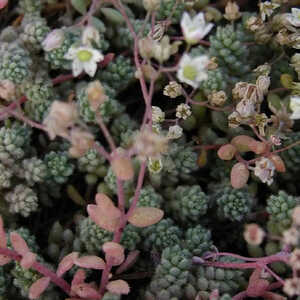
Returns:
point(84, 55)
point(190, 72)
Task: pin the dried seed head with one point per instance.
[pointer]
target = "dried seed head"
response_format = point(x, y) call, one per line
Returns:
point(96, 95)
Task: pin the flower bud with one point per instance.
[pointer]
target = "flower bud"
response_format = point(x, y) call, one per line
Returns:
point(232, 11)
point(8, 90)
point(227, 152)
point(53, 40)
point(278, 163)
point(253, 234)
point(96, 94)
point(146, 47)
point(239, 175)
point(81, 142)
point(90, 34)
point(217, 98)
point(122, 165)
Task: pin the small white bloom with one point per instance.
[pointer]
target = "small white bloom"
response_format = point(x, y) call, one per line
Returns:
point(294, 17)
point(246, 108)
point(193, 70)
point(155, 165)
point(183, 111)
point(158, 115)
point(264, 170)
point(84, 59)
point(266, 9)
point(175, 132)
point(90, 34)
point(194, 29)
point(53, 40)
point(295, 107)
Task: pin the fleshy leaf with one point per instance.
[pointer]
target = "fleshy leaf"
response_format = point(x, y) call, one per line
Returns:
point(38, 287)
point(239, 175)
point(2, 234)
point(18, 243)
point(85, 291)
point(145, 216)
point(90, 262)
point(227, 152)
point(118, 287)
point(28, 260)
point(79, 277)
point(4, 260)
point(80, 5)
point(66, 263)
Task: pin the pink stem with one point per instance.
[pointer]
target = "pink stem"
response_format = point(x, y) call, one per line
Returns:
point(41, 269)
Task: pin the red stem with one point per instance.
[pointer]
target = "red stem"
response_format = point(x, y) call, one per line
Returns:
point(39, 268)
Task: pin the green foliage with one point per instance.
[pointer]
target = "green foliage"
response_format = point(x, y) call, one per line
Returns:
point(232, 54)
point(198, 240)
point(170, 275)
point(30, 6)
point(217, 81)
point(35, 170)
point(5, 176)
point(149, 197)
point(15, 63)
point(189, 203)
point(161, 235)
point(118, 74)
point(59, 168)
point(170, 9)
point(233, 204)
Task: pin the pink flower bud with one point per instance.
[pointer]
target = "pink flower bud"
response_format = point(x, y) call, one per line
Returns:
point(53, 40)
point(122, 167)
point(19, 244)
point(118, 287)
point(227, 152)
point(239, 175)
point(66, 263)
point(253, 234)
point(90, 262)
point(38, 287)
point(145, 216)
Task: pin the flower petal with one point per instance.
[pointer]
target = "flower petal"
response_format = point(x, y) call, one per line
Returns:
point(90, 67)
point(38, 287)
point(77, 67)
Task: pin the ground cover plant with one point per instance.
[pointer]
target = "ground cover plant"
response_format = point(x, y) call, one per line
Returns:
point(149, 149)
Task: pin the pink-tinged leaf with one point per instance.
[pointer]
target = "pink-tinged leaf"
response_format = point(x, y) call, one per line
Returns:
point(4, 260)
point(3, 3)
point(90, 262)
point(278, 163)
point(66, 263)
point(239, 175)
point(145, 216)
point(78, 278)
point(103, 220)
point(129, 262)
point(257, 286)
point(2, 234)
point(118, 287)
point(227, 152)
point(18, 243)
point(107, 207)
point(114, 253)
point(38, 287)
point(28, 260)
point(85, 291)
point(122, 167)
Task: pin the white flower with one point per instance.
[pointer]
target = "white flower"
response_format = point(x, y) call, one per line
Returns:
point(90, 34)
point(266, 9)
point(158, 115)
point(183, 111)
point(193, 70)
point(84, 59)
point(295, 107)
point(194, 29)
point(53, 40)
point(264, 170)
point(294, 17)
point(175, 132)
point(246, 108)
